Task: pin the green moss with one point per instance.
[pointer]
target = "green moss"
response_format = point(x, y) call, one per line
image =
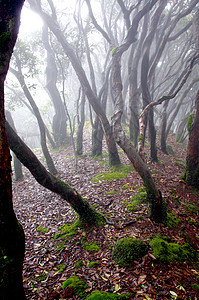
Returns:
point(91, 246)
point(140, 197)
point(195, 286)
point(112, 192)
point(79, 286)
point(118, 172)
point(127, 250)
point(170, 252)
point(40, 278)
point(93, 264)
point(172, 221)
point(68, 230)
point(192, 208)
point(79, 263)
point(97, 295)
point(174, 197)
point(60, 268)
point(190, 122)
point(42, 229)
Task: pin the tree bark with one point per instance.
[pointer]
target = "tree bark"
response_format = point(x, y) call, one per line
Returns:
point(86, 213)
point(192, 159)
point(17, 163)
point(12, 240)
point(59, 119)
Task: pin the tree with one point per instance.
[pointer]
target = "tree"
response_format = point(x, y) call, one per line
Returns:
point(192, 160)
point(12, 241)
point(86, 213)
point(91, 96)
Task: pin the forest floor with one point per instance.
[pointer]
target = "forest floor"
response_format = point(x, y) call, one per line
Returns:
point(48, 264)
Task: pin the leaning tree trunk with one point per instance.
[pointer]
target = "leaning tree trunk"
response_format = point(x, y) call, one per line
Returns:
point(12, 240)
point(192, 160)
point(80, 126)
point(92, 98)
point(20, 78)
point(86, 213)
point(17, 163)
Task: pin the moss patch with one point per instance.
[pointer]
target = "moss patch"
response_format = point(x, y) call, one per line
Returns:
point(171, 252)
point(91, 246)
point(127, 250)
point(68, 230)
point(97, 295)
point(42, 229)
point(93, 264)
point(79, 286)
point(140, 197)
point(118, 172)
point(172, 221)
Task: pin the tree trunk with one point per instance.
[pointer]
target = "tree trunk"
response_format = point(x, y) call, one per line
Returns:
point(59, 119)
point(158, 208)
point(81, 121)
point(12, 241)
point(37, 114)
point(93, 100)
point(17, 163)
point(97, 137)
point(192, 159)
point(86, 213)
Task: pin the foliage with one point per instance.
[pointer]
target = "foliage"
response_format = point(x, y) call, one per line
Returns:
point(170, 252)
point(79, 286)
point(127, 250)
point(93, 264)
point(170, 150)
point(97, 295)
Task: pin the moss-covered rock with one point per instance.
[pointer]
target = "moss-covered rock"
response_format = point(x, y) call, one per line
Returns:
point(171, 252)
point(97, 295)
point(127, 250)
point(79, 286)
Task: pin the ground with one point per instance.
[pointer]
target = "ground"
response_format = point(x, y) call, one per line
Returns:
point(88, 253)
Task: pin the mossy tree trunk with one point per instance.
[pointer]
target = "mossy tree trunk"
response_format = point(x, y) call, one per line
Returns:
point(86, 213)
point(192, 159)
point(12, 241)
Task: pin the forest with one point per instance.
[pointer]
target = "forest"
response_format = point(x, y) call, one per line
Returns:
point(99, 149)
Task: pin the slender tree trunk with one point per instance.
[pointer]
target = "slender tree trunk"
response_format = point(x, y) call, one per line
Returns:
point(80, 127)
point(17, 163)
point(86, 212)
point(12, 240)
point(37, 114)
point(59, 119)
point(93, 100)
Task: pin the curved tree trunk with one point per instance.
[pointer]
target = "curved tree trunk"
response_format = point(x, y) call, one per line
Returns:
point(158, 208)
point(37, 114)
point(12, 240)
point(92, 98)
point(86, 212)
point(59, 119)
point(17, 163)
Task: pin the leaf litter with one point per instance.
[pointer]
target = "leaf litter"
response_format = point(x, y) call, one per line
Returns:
point(47, 266)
